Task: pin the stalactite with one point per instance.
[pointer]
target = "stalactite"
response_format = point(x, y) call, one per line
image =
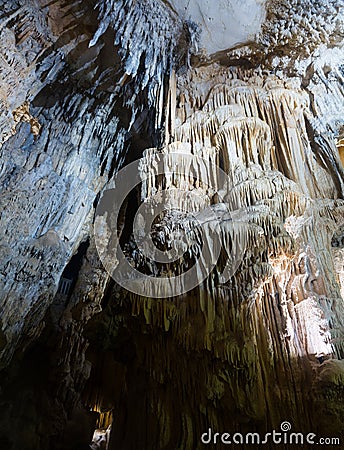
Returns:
point(136, 35)
point(270, 324)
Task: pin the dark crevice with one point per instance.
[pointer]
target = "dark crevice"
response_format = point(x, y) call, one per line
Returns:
point(72, 269)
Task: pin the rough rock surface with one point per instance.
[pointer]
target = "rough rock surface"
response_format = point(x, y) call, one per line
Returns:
point(87, 87)
point(229, 23)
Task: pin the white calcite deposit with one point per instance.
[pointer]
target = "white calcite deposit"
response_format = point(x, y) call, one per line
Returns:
point(224, 23)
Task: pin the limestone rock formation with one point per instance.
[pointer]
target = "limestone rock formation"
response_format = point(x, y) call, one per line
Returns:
point(240, 137)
